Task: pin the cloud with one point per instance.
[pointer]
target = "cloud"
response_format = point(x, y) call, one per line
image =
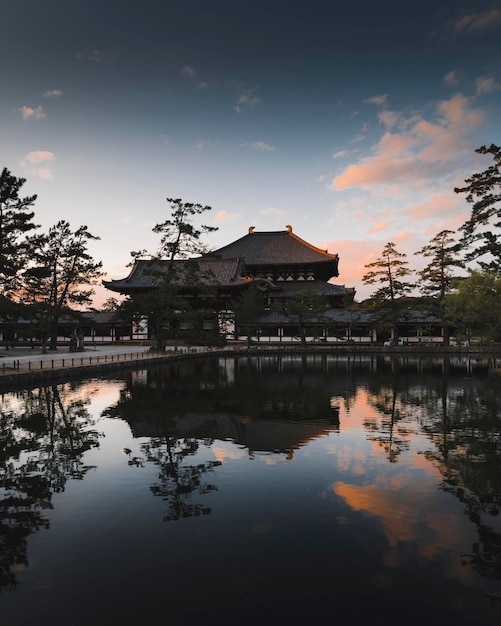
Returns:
point(53, 93)
point(44, 173)
point(223, 216)
point(486, 84)
point(189, 71)
point(488, 19)
point(201, 144)
point(420, 153)
point(452, 78)
point(259, 145)
point(358, 138)
point(93, 55)
point(39, 156)
point(339, 154)
point(272, 211)
point(247, 97)
point(29, 113)
point(443, 209)
point(36, 161)
point(390, 118)
point(380, 100)
point(353, 256)
point(378, 227)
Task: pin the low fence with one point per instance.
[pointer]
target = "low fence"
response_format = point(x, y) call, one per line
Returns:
point(18, 365)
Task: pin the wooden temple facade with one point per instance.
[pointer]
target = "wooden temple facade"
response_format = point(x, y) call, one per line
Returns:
point(280, 265)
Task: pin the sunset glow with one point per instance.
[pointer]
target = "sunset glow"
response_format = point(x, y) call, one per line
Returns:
point(355, 129)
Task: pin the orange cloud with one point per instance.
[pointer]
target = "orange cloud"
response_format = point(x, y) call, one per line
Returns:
point(377, 227)
point(418, 155)
point(435, 207)
point(223, 216)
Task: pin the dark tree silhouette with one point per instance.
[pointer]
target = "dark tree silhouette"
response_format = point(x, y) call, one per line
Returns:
point(482, 230)
point(52, 435)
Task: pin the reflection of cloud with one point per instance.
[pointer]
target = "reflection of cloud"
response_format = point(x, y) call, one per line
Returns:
point(408, 515)
point(222, 453)
point(395, 507)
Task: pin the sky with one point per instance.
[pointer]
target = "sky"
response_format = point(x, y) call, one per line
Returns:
point(350, 121)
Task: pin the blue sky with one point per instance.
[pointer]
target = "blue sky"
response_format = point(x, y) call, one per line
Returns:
point(352, 122)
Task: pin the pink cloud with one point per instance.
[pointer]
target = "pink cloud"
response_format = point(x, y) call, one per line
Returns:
point(457, 113)
point(378, 227)
point(484, 20)
point(486, 84)
point(438, 207)
point(418, 155)
point(30, 113)
point(378, 170)
point(452, 78)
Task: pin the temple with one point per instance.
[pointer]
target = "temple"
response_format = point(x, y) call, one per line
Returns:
point(279, 264)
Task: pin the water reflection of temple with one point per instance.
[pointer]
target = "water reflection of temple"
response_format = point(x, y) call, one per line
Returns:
point(281, 436)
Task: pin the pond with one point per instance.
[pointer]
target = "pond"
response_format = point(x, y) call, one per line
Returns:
point(250, 490)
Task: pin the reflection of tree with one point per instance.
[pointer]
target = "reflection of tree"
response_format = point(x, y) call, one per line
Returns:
point(389, 434)
point(42, 441)
point(468, 457)
point(177, 480)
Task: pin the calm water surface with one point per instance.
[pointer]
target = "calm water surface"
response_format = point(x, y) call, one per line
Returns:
point(239, 491)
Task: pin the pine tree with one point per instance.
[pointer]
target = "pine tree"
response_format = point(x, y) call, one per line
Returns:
point(388, 271)
point(62, 270)
point(16, 217)
point(180, 239)
point(482, 230)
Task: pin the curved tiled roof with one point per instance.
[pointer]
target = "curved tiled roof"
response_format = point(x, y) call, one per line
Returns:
point(148, 274)
point(274, 248)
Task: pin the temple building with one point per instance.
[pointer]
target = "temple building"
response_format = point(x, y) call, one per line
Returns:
point(279, 264)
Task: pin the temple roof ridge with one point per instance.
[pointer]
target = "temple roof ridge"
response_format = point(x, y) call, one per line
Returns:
point(274, 247)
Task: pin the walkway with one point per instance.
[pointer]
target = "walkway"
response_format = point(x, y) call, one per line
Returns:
point(18, 363)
